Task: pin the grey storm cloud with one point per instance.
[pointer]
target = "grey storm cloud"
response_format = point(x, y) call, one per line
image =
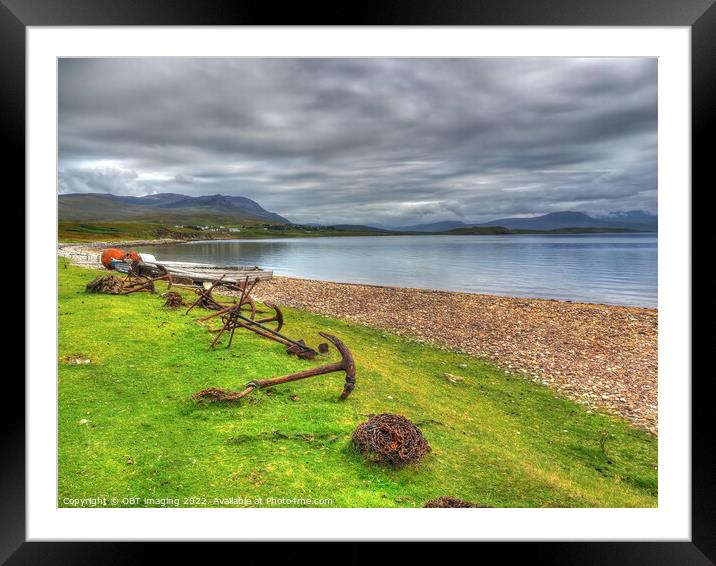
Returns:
point(382, 141)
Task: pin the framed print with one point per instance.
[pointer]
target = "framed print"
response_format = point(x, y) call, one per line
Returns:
point(317, 276)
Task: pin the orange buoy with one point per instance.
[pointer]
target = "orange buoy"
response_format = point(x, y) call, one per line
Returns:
point(134, 256)
point(109, 255)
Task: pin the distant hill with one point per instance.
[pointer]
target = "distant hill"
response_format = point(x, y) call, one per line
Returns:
point(569, 219)
point(164, 207)
point(479, 231)
point(497, 230)
point(631, 220)
point(433, 227)
point(357, 228)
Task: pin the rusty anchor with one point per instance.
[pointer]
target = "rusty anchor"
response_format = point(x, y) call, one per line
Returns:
point(136, 284)
point(346, 364)
point(277, 316)
point(233, 319)
point(141, 276)
point(205, 299)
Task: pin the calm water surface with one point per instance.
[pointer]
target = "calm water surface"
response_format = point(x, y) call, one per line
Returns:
point(598, 268)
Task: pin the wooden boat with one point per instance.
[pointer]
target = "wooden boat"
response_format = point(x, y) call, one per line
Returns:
point(197, 273)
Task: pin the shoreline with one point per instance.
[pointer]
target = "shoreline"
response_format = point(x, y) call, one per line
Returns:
point(602, 356)
point(489, 295)
point(75, 250)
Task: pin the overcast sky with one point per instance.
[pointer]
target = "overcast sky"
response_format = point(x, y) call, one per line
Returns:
point(380, 141)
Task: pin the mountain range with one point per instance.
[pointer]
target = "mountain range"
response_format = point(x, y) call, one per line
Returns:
point(631, 220)
point(213, 209)
point(164, 207)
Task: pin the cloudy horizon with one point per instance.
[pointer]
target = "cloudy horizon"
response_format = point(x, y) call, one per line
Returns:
point(367, 141)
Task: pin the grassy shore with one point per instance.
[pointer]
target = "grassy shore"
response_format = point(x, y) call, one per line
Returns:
point(601, 355)
point(128, 427)
point(86, 232)
point(82, 232)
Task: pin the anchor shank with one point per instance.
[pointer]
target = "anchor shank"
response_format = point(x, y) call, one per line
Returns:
point(337, 366)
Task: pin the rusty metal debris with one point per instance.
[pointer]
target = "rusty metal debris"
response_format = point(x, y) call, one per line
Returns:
point(451, 502)
point(141, 276)
point(173, 299)
point(235, 317)
point(277, 317)
point(232, 319)
point(205, 300)
point(134, 284)
point(109, 284)
point(390, 439)
point(346, 364)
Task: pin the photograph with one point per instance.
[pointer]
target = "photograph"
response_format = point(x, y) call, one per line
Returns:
point(357, 282)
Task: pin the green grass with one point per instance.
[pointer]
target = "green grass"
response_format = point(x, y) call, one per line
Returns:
point(128, 427)
point(110, 231)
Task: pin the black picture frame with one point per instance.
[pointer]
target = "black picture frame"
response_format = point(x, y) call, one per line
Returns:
point(699, 15)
